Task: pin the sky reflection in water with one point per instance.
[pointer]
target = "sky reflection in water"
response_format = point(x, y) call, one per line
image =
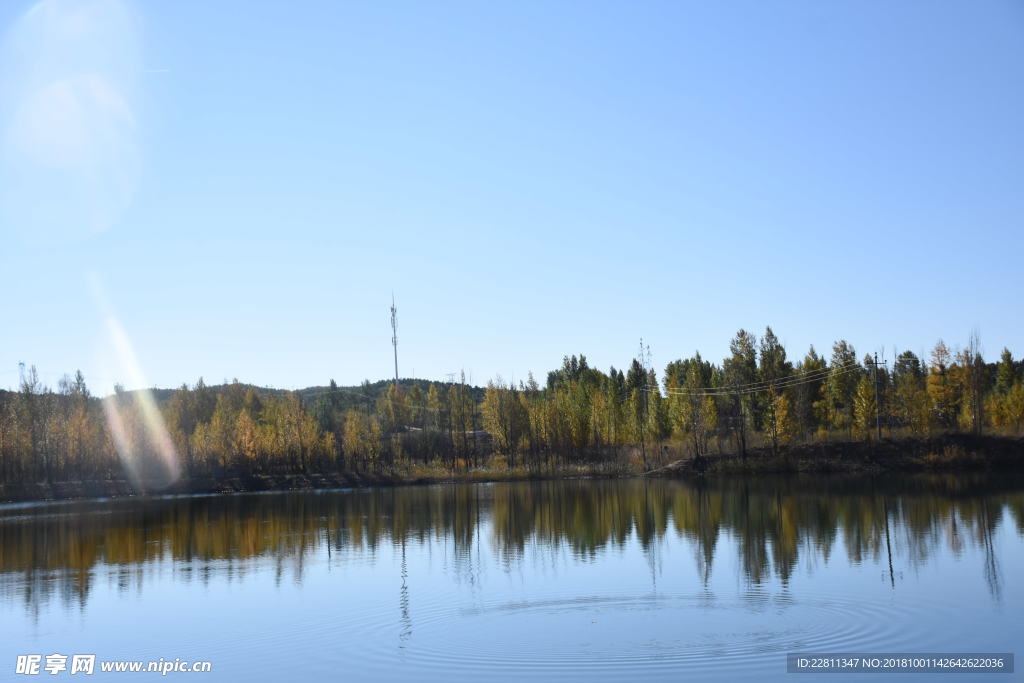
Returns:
point(578, 579)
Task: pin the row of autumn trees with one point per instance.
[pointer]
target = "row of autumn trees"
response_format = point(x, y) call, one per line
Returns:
point(757, 396)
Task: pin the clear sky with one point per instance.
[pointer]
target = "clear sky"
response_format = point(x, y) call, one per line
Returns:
point(241, 185)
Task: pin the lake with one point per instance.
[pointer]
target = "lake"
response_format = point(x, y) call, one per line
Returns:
point(585, 579)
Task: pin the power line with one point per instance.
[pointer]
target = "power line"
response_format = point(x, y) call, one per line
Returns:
point(782, 384)
point(763, 385)
point(760, 384)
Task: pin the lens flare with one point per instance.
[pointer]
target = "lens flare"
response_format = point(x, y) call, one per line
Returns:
point(137, 427)
point(70, 158)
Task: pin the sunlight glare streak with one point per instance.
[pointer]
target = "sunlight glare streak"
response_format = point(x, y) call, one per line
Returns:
point(136, 424)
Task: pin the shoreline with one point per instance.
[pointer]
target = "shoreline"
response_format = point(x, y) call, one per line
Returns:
point(941, 453)
point(47, 492)
point(949, 453)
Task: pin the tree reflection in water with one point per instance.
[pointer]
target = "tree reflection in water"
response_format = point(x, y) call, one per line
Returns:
point(59, 550)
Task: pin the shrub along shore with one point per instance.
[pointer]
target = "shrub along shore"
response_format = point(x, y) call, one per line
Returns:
point(943, 453)
point(947, 452)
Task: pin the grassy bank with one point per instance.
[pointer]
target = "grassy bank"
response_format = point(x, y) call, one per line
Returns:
point(948, 452)
point(43, 491)
point(944, 453)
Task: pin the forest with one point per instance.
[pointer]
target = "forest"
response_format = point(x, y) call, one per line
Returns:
point(632, 418)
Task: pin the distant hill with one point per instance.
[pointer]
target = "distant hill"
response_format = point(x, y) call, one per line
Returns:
point(349, 396)
point(373, 391)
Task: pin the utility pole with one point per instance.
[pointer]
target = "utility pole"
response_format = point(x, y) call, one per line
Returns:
point(394, 335)
point(644, 358)
point(878, 406)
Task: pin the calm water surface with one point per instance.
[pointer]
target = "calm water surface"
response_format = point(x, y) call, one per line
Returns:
point(588, 580)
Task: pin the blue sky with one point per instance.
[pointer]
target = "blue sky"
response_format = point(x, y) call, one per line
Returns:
point(242, 185)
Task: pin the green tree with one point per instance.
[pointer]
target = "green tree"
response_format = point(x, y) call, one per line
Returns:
point(692, 410)
point(789, 427)
point(739, 373)
point(636, 384)
point(864, 407)
point(972, 379)
point(772, 370)
point(942, 385)
point(912, 405)
point(504, 418)
point(841, 386)
point(1006, 373)
point(416, 407)
point(1014, 406)
point(806, 393)
point(362, 439)
point(393, 409)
